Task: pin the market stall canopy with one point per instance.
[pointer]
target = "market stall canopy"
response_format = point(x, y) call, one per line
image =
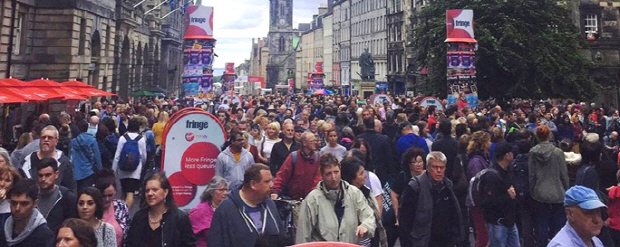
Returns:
point(85, 89)
point(54, 87)
point(6, 97)
point(141, 93)
point(23, 90)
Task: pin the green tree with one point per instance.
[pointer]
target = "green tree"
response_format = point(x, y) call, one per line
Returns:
point(526, 48)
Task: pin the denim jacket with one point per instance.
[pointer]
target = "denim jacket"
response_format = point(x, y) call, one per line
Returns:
point(86, 156)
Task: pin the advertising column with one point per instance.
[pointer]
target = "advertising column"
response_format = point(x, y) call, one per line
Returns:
point(462, 87)
point(198, 52)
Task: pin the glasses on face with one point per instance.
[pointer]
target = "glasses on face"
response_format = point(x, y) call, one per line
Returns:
point(45, 138)
point(239, 140)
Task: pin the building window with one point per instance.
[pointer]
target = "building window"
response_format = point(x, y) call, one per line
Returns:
point(108, 38)
point(281, 44)
point(82, 41)
point(18, 31)
point(591, 26)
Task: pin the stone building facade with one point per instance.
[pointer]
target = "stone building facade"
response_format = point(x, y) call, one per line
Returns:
point(599, 22)
point(281, 61)
point(396, 58)
point(106, 43)
point(341, 24)
point(368, 30)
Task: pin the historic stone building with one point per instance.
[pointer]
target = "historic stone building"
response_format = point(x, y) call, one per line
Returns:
point(396, 58)
point(368, 31)
point(59, 40)
point(341, 66)
point(140, 40)
point(281, 61)
point(111, 44)
point(599, 22)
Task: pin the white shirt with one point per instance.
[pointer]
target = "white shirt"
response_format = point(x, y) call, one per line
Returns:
point(141, 145)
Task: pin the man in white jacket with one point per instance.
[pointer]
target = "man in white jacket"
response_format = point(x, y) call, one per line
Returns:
point(232, 162)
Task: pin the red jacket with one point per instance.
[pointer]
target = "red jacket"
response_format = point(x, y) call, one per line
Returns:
point(307, 176)
point(613, 208)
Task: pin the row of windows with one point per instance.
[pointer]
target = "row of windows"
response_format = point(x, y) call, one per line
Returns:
point(395, 63)
point(378, 46)
point(363, 6)
point(394, 6)
point(395, 33)
point(369, 26)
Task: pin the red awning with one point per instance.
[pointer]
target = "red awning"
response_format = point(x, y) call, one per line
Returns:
point(43, 83)
point(74, 84)
point(11, 82)
point(93, 92)
point(6, 97)
point(32, 93)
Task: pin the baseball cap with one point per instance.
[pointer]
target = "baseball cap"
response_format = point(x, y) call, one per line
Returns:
point(299, 129)
point(583, 197)
point(502, 149)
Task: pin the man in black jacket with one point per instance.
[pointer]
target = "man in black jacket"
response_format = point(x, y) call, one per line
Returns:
point(429, 213)
point(26, 226)
point(381, 151)
point(248, 218)
point(56, 203)
point(282, 149)
point(498, 200)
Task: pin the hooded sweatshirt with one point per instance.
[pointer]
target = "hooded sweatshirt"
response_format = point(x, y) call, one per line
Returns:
point(548, 173)
point(36, 232)
point(66, 177)
point(227, 167)
point(231, 226)
point(614, 208)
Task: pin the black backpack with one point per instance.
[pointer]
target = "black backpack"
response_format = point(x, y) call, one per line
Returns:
point(520, 176)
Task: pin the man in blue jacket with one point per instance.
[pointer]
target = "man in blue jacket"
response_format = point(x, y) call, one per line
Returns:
point(86, 157)
point(248, 218)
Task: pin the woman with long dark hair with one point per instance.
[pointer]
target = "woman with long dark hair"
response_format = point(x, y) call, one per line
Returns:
point(115, 211)
point(90, 209)
point(76, 233)
point(160, 222)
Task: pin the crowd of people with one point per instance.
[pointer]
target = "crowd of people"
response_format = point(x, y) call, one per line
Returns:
point(297, 169)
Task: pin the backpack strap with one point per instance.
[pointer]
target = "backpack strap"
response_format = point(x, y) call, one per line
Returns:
point(294, 155)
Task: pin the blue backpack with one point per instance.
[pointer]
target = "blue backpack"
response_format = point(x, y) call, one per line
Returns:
point(130, 154)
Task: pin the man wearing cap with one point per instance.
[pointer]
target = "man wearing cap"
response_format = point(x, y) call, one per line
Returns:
point(498, 200)
point(584, 223)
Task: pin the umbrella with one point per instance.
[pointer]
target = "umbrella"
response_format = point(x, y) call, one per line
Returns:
point(10, 98)
point(85, 89)
point(143, 93)
point(11, 82)
point(55, 88)
point(322, 92)
point(75, 84)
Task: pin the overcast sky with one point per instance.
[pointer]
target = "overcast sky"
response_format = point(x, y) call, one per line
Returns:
point(236, 22)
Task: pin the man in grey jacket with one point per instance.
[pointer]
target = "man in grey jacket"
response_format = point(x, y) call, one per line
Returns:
point(232, 162)
point(548, 180)
point(335, 210)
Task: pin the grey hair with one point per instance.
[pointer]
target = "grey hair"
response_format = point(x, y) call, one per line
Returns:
point(213, 185)
point(50, 128)
point(436, 156)
point(5, 154)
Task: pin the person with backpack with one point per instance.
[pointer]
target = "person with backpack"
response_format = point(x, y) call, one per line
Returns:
point(477, 151)
point(299, 173)
point(520, 179)
point(548, 180)
point(129, 158)
point(429, 213)
point(86, 157)
point(498, 199)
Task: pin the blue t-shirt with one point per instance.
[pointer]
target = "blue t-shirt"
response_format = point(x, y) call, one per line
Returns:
point(255, 215)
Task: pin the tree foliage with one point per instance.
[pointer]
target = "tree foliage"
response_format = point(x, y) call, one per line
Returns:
point(526, 48)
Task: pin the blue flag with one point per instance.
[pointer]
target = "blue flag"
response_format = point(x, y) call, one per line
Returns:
point(173, 4)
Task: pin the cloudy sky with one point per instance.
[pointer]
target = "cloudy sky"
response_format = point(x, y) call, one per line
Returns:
point(236, 22)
